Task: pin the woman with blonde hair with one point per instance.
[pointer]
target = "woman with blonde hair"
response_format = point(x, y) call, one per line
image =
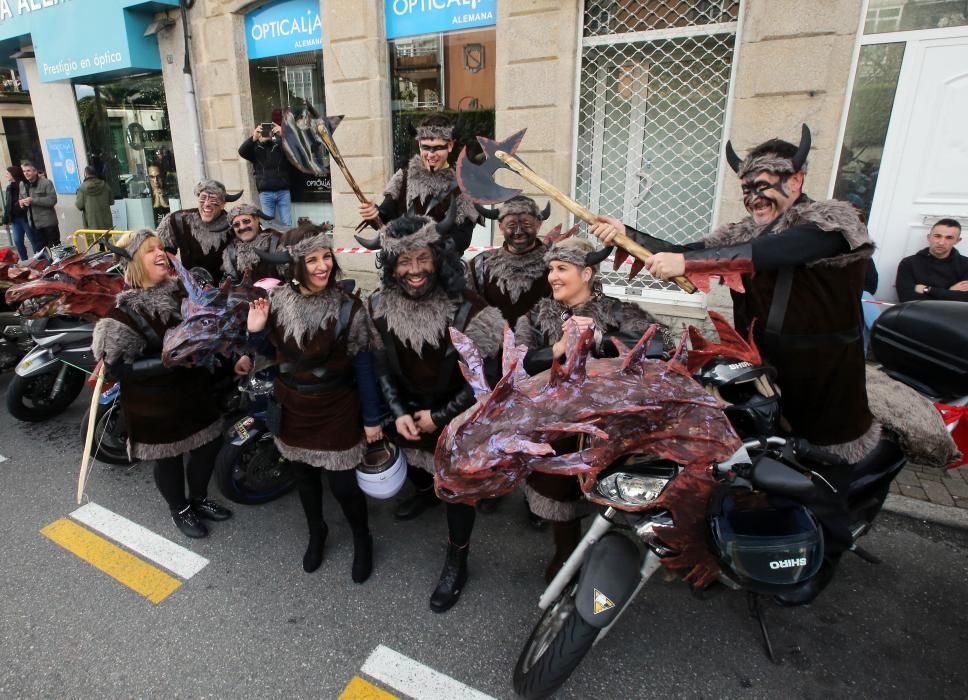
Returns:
point(170, 413)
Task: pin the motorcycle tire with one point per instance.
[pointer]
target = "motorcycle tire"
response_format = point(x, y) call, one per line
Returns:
point(253, 473)
point(110, 444)
point(557, 645)
point(29, 399)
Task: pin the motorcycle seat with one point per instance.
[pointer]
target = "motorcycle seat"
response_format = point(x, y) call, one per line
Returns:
point(777, 478)
point(884, 460)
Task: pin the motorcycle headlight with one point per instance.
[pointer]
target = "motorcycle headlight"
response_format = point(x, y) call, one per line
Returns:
point(630, 489)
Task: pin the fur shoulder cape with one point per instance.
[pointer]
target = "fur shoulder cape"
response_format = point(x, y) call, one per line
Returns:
point(423, 185)
point(299, 316)
point(513, 274)
point(209, 236)
point(544, 321)
point(115, 340)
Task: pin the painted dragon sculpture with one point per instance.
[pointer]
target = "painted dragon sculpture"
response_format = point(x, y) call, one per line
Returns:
point(79, 285)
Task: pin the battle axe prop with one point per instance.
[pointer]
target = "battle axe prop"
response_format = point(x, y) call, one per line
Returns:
point(477, 182)
point(325, 129)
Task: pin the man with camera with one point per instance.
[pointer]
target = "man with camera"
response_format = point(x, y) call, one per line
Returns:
point(271, 168)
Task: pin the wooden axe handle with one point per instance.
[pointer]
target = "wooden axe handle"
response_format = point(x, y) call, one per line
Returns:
point(637, 251)
point(338, 157)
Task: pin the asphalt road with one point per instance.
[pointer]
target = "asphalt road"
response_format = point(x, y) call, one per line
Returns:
point(253, 624)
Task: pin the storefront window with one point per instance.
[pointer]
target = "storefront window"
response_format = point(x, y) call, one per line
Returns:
point(905, 15)
point(128, 142)
point(447, 72)
point(871, 104)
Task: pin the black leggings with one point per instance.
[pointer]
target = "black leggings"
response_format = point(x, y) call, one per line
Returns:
point(460, 517)
point(170, 473)
point(346, 490)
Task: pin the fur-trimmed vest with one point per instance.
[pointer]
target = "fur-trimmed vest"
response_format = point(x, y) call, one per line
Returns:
point(414, 188)
point(168, 414)
point(820, 354)
point(239, 257)
point(411, 338)
point(541, 328)
point(512, 283)
point(197, 243)
point(316, 337)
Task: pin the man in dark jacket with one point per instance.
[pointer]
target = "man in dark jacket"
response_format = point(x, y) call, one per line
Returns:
point(38, 197)
point(271, 170)
point(938, 271)
point(94, 199)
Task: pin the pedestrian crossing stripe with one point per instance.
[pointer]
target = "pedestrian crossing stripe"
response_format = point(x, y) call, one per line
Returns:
point(602, 602)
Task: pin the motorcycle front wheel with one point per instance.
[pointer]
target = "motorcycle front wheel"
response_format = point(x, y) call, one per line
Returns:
point(30, 398)
point(110, 444)
point(557, 645)
point(253, 473)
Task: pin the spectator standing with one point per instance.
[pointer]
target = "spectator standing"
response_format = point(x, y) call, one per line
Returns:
point(271, 169)
point(15, 216)
point(94, 199)
point(938, 271)
point(38, 197)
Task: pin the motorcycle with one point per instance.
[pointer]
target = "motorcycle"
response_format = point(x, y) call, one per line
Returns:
point(249, 468)
point(52, 374)
point(15, 341)
point(746, 524)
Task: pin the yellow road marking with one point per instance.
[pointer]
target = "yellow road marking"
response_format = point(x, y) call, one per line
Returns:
point(359, 689)
point(153, 583)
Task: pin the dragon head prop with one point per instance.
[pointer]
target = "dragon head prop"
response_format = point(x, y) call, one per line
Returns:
point(79, 285)
point(213, 322)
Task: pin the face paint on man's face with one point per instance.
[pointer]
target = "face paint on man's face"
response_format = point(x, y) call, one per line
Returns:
point(765, 196)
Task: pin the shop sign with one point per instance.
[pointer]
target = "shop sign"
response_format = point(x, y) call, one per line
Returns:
point(284, 27)
point(412, 17)
point(63, 165)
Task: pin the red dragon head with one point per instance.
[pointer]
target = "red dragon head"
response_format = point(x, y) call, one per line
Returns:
point(76, 286)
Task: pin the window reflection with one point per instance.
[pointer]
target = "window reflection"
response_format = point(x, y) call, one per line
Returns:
point(905, 15)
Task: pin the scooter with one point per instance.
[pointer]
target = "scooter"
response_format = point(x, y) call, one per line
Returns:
point(15, 341)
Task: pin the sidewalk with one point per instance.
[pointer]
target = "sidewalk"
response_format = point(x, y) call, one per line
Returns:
point(931, 494)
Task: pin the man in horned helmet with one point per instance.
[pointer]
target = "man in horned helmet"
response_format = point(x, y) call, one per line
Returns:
point(513, 277)
point(428, 185)
point(249, 236)
point(200, 235)
point(423, 295)
point(802, 265)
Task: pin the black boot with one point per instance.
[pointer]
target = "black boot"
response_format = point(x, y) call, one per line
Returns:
point(416, 504)
point(211, 510)
point(362, 557)
point(452, 579)
point(313, 557)
point(567, 536)
point(188, 522)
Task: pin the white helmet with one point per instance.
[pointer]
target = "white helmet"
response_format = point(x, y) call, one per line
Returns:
point(383, 470)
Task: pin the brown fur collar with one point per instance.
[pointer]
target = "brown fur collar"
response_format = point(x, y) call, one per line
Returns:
point(608, 313)
point(513, 274)
point(210, 236)
point(423, 185)
point(245, 252)
point(417, 322)
point(299, 316)
point(830, 215)
point(163, 301)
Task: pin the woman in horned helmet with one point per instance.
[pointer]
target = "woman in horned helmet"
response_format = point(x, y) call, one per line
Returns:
point(325, 389)
point(577, 301)
point(170, 413)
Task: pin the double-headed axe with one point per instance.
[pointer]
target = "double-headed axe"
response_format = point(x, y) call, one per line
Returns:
point(325, 128)
point(477, 182)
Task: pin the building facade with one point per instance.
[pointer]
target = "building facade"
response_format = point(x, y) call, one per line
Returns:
point(628, 103)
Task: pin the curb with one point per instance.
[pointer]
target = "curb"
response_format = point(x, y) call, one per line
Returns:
point(924, 510)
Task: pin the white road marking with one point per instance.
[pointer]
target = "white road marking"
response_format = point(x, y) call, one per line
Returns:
point(2, 458)
point(414, 679)
point(141, 540)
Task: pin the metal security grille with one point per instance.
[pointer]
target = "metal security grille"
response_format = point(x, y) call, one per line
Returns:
point(655, 76)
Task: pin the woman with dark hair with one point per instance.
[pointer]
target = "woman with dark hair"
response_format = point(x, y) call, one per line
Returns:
point(325, 390)
point(577, 301)
point(170, 413)
point(15, 216)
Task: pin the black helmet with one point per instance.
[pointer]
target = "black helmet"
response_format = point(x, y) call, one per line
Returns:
point(750, 399)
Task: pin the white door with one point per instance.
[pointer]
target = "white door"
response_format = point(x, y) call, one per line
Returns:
point(924, 172)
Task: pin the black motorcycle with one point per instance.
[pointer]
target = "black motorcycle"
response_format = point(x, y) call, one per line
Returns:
point(758, 530)
point(249, 468)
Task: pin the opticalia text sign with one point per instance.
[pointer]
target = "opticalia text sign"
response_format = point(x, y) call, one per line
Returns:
point(412, 17)
point(282, 27)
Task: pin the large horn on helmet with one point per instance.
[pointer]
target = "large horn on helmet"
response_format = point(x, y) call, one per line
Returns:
point(734, 160)
point(446, 227)
point(596, 256)
point(233, 197)
point(546, 212)
point(800, 157)
point(117, 250)
point(369, 243)
point(487, 213)
point(276, 258)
